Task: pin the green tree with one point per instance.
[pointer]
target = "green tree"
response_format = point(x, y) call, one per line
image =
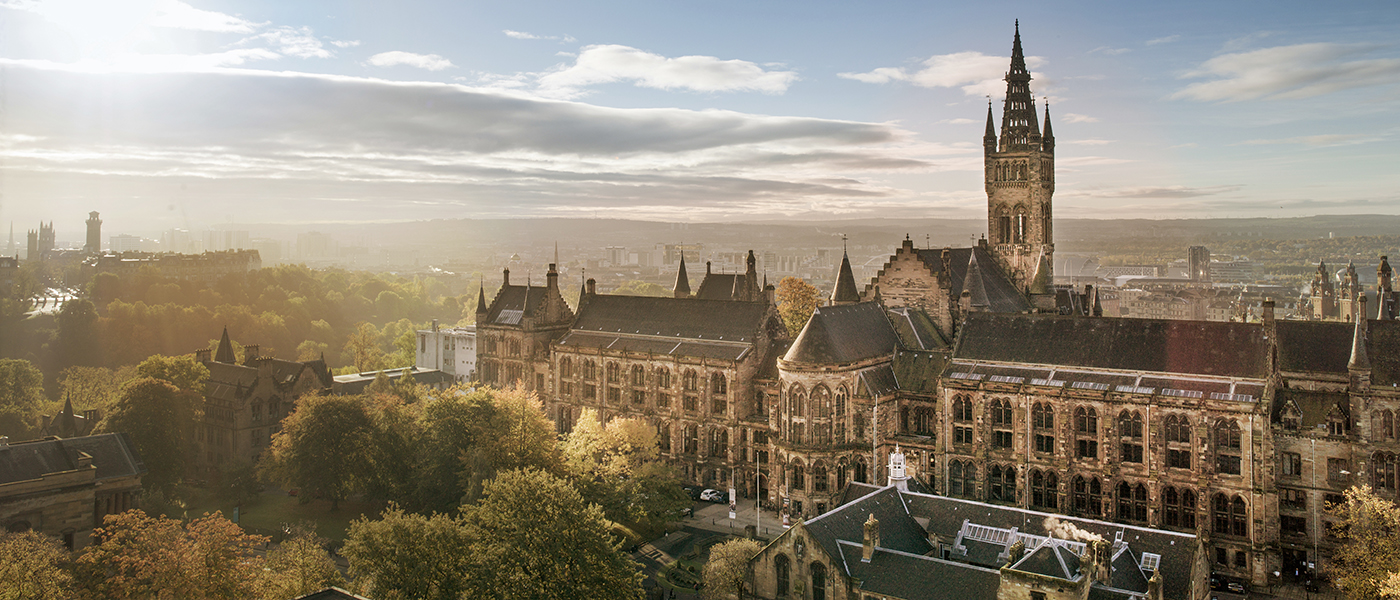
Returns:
point(362, 348)
point(311, 350)
point(727, 571)
point(93, 387)
point(34, 567)
point(298, 566)
point(78, 343)
point(543, 540)
point(409, 556)
point(1369, 554)
point(324, 448)
point(144, 557)
point(618, 466)
point(183, 372)
point(159, 418)
point(21, 397)
point(796, 300)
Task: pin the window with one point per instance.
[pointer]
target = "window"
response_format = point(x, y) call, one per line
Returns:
point(1132, 502)
point(1294, 499)
point(1044, 443)
point(838, 415)
point(689, 382)
point(1338, 470)
point(1086, 421)
point(922, 420)
point(819, 483)
point(614, 396)
point(1290, 464)
point(1001, 439)
point(820, 403)
point(1337, 422)
point(663, 437)
point(590, 392)
point(1293, 525)
point(1044, 489)
point(719, 443)
point(1241, 559)
point(566, 367)
point(688, 403)
point(1179, 507)
point(962, 435)
point(590, 370)
point(1227, 447)
point(639, 397)
point(818, 581)
point(1001, 482)
point(1222, 556)
point(962, 409)
point(1383, 471)
point(719, 384)
point(799, 479)
point(639, 376)
point(663, 401)
point(1042, 416)
point(692, 441)
point(1088, 496)
point(1178, 442)
point(1088, 449)
point(962, 480)
point(858, 426)
point(719, 406)
point(797, 401)
point(1130, 434)
point(1001, 413)
point(1230, 515)
point(1179, 459)
point(663, 378)
point(1383, 425)
point(782, 568)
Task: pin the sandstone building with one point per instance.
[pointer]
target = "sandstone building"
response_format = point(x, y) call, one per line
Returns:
point(63, 487)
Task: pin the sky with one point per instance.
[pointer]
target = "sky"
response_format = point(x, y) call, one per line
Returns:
point(206, 113)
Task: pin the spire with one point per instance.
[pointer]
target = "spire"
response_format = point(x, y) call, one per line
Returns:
point(225, 352)
point(1043, 272)
point(481, 297)
point(682, 287)
point(989, 139)
point(1019, 130)
point(1359, 361)
point(845, 292)
point(973, 284)
point(1047, 141)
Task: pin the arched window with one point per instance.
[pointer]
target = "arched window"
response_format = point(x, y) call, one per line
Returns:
point(663, 378)
point(1230, 515)
point(962, 479)
point(922, 420)
point(1383, 471)
point(590, 370)
point(719, 442)
point(1001, 483)
point(838, 415)
point(858, 425)
point(1086, 428)
point(819, 483)
point(639, 376)
point(1178, 442)
point(962, 418)
point(799, 477)
point(1002, 435)
point(797, 401)
point(821, 401)
point(566, 367)
point(663, 437)
point(719, 385)
point(1021, 227)
point(1130, 436)
point(1178, 507)
point(1382, 425)
point(614, 373)
point(1227, 446)
point(818, 581)
point(783, 569)
point(1043, 423)
point(1045, 489)
point(1132, 502)
point(692, 439)
point(689, 382)
point(1088, 496)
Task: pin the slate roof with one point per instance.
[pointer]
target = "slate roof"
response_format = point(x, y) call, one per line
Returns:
point(844, 334)
point(1325, 347)
point(112, 453)
point(918, 371)
point(876, 382)
point(914, 577)
point(1314, 406)
point(1166, 346)
point(916, 329)
point(1052, 559)
point(228, 381)
point(1001, 295)
point(508, 308)
point(898, 531)
point(720, 286)
point(718, 329)
point(845, 290)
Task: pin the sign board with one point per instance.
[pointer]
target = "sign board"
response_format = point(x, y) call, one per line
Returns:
point(733, 504)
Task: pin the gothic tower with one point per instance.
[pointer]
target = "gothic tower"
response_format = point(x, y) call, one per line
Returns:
point(1020, 178)
point(94, 234)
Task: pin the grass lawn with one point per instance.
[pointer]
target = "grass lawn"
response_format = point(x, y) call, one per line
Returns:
point(269, 511)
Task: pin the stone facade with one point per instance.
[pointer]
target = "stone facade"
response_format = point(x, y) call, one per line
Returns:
point(63, 487)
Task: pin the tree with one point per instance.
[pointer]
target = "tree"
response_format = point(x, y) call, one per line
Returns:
point(159, 418)
point(796, 300)
point(728, 568)
point(296, 567)
point(324, 448)
point(543, 540)
point(618, 466)
point(21, 397)
point(183, 372)
point(311, 350)
point(362, 348)
point(33, 567)
point(409, 556)
point(78, 342)
point(1370, 552)
point(93, 387)
point(145, 557)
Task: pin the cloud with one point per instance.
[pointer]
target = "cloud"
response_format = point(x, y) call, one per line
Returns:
point(1323, 140)
point(1162, 40)
point(1088, 142)
point(295, 41)
point(1165, 192)
point(957, 121)
point(345, 43)
point(178, 15)
point(1289, 72)
point(299, 145)
point(613, 63)
point(431, 62)
point(975, 73)
point(1074, 118)
point(522, 35)
point(1109, 51)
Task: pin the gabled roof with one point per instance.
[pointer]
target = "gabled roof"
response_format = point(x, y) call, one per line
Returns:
point(508, 308)
point(844, 334)
point(1052, 558)
point(913, 577)
point(1165, 346)
point(1002, 295)
point(112, 454)
point(720, 286)
point(684, 318)
point(1326, 347)
point(898, 531)
point(916, 329)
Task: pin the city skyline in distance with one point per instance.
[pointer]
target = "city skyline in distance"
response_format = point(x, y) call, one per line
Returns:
point(188, 115)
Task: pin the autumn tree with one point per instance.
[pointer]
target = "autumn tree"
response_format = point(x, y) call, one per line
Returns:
point(34, 567)
point(1369, 555)
point(145, 557)
point(183, 372)
point(619, 466)
point(362, 348)
point(159, 417)
point(796, 300)
point(21, 397)
point(93, 387)
point(296, 567)
point(409, 556)
point(727, 570)
point(325, 448)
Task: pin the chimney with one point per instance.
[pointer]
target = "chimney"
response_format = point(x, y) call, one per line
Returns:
point(202, 355)
point(435, 324)
point(5, 442)
point(505, 277)
point(551, 278)
point(84, 460)
point(250, 354)
point(1103, 557)
point(1015, 552)
point(1154, 586)
point(592, 287)
point(872, 538)
point(770, 294)
point(1268, 310)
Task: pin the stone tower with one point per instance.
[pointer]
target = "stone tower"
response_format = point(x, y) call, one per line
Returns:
point(1020, 178)
point(94, 234)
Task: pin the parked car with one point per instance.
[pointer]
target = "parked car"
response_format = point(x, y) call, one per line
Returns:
point(694, 492)
point(713, 496)
point(1235, 587)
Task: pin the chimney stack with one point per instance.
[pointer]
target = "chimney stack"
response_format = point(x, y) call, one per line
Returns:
point(1268, 310)
point(592, 287)
point(872, 538)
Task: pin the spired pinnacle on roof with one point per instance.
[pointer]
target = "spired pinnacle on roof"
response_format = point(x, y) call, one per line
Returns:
point(481, 297)
point(225, 352)
point(973, 284)
point(845, 292)
point(1019, 129)
point(1359, 361)
point(682, 287)
point(1041, 283)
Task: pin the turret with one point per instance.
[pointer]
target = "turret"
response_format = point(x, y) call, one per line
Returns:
point(845, 291)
